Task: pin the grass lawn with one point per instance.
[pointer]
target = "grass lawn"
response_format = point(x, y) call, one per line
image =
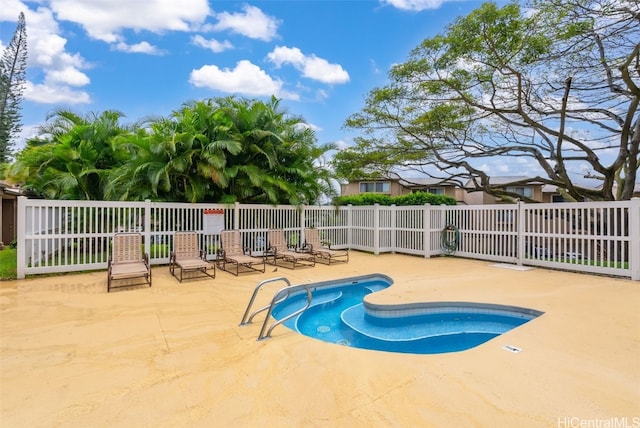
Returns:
point(8, 263)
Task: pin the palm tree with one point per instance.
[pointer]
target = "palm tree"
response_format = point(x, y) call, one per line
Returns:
point(219, 150)
point(201, 126)
point(276, 164)
point(72, 156)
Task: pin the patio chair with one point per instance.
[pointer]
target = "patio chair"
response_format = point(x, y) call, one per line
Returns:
point(322, 250)
point(187, 256)
point(279, 250)
point(127, 260)
point(232, 252)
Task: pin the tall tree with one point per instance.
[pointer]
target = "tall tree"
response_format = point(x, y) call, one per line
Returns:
point(556, 85)
point(73, 157)
point(215, 150)
point(223, 150)
point(279, 161)
point(13, 68)
point(166, 160)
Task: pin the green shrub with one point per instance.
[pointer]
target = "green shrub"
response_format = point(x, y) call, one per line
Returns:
point(417, 198)
point(157, 250)
point(422, 198)
point(8, 263)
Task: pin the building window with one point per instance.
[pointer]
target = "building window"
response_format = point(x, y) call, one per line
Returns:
point(436, 190)
point(558, 198)
point(377, 187)
point(527, 192)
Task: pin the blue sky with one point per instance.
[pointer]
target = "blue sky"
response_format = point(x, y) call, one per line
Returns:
point(148, 57)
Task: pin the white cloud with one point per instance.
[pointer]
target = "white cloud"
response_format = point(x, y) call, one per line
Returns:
point(321, 94)
point(211, 44)
point(283, 55)
point(105, 19)
point(10, 11)
point(301, 126)
point(414, 5)
point(253, 23)
point(45, 48)
point(311, 66)
point(28, 132)
point(47, 52)
point(52, 94)
point(320, 69)
point(374, 67)
point(142, 47)
point(69, 76)
point(341, 144)
point(486, 168)
point(246, 79)
point(503, 168)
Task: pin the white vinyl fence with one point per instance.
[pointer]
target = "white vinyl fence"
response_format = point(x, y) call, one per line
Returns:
point(597, 237)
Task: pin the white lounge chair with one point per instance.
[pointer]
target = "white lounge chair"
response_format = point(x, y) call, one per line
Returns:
point(322, 250)
point(187, 256)
point(279, 250)
point(127, 260)
point(232, 252)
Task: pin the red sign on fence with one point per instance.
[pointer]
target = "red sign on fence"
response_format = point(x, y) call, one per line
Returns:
point(213, 221)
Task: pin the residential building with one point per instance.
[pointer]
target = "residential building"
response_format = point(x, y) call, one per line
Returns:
point(532, 191)
point(396, 186)
point(8, 212)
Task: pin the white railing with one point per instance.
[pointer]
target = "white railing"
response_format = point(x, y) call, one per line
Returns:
point(597, 237)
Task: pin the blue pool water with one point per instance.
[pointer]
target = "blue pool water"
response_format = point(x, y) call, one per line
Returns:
point(339, 315)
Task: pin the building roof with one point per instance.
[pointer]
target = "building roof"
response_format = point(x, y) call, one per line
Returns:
point(412, 181)
point(424, 181)
point(10, 189)
point(508, 179)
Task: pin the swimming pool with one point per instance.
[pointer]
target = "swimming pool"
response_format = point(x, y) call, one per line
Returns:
point(338, 314)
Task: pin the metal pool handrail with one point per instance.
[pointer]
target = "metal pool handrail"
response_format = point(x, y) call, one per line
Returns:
point(246, 319)
point(280, 296)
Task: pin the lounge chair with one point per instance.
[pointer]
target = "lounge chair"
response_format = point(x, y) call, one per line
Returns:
point(232, 252)
point(322, 250)
point(187, 256)
point(279, 250)
point(127, 260)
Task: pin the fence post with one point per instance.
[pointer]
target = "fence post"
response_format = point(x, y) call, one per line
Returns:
point(634, 239)
point(236, 216)
point(426, 234)
point(349, 226)
point(520, 229)
point(147, 225)
point(394, 228)
point(445, 219)
point(376, 229)
point(21, 237)
point(302, 225)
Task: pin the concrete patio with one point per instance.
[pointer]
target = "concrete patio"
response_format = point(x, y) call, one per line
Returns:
point(173, 355)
